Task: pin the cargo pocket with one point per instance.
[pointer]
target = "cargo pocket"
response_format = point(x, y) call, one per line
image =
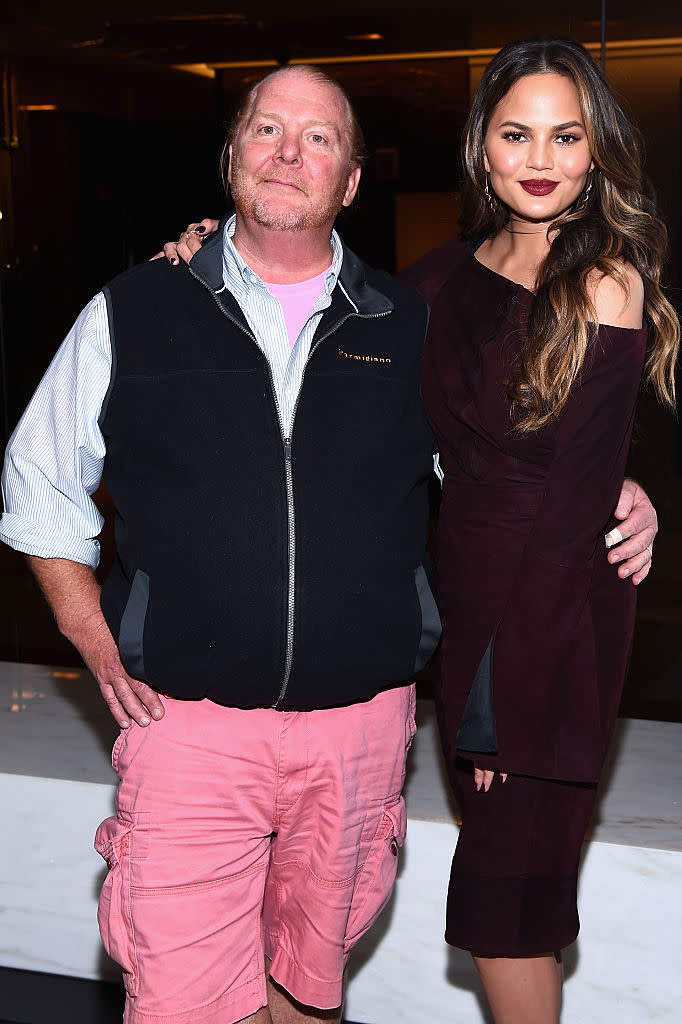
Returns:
point(113, 842)
point(375, 878)
point(131, 630)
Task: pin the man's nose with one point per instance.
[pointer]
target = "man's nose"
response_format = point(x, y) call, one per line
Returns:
point(289, 149)
point(540, 156)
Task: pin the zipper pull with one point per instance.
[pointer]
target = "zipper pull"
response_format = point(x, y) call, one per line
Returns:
point(287, 449)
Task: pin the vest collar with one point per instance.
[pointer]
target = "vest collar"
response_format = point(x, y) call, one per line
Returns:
point(358, 294)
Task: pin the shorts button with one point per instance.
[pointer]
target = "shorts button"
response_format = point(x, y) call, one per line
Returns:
point(394, 848)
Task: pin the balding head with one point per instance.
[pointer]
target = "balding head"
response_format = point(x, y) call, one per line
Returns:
point(355, 137)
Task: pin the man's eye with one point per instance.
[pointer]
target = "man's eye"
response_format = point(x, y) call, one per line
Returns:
point(267, 129)
point(315, 137)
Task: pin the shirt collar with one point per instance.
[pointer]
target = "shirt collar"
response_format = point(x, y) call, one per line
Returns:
point(236, 270)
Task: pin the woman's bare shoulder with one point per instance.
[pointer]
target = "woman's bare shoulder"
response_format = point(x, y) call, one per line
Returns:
point(619, 303)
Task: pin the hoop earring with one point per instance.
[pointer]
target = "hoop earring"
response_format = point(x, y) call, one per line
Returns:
point(490, 199)
point(585, 197)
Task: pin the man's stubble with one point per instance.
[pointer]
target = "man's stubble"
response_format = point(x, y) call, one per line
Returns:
point(277, 215)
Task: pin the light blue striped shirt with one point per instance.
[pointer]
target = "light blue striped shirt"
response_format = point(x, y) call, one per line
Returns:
point(55, 456)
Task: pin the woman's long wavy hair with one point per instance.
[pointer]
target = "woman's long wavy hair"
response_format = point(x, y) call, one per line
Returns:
point(612, 222)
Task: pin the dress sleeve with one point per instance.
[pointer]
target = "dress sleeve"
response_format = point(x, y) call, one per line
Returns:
point(542, 654)
point(54, 458)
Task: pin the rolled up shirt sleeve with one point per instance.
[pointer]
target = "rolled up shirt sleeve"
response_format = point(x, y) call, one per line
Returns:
point(54, 458)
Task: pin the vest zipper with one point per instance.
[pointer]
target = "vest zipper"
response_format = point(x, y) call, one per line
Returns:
point(291, 585)
point(288, 470)
point(291, 596)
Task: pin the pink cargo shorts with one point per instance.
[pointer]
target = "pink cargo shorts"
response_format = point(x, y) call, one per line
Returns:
point(246, 834)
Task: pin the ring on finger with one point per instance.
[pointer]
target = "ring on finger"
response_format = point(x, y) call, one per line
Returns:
point(650, 549)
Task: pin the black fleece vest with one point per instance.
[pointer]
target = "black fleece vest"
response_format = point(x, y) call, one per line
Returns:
point(230, 581)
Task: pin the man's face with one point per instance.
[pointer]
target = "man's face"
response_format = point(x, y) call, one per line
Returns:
point(290, 165)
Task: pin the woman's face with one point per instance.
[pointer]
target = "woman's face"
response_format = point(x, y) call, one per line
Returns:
point(535, 148)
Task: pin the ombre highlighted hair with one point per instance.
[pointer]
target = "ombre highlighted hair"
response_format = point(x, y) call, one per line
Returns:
point(612, 223)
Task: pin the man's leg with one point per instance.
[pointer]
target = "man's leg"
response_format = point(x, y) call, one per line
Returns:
point(340, 820)
point(284, 1009)
point(188, 855)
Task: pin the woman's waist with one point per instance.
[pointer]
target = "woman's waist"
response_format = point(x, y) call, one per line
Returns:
point(508, 497)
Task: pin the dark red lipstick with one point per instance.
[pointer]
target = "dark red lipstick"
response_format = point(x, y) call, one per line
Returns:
point(538, 186)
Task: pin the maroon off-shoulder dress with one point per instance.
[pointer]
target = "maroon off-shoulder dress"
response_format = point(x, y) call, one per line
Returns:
point(537, 626)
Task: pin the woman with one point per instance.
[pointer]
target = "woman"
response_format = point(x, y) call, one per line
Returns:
point(531, 371)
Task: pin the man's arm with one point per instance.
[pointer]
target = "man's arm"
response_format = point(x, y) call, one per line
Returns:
point(53, 465)
point(73, 594)
point(635, 535)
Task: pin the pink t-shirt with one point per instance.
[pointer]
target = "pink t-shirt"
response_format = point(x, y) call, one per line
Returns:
point(297, 302)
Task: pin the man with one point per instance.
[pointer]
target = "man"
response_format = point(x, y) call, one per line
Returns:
point(268, 606)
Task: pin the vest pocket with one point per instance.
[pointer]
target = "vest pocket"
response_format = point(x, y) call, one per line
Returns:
point(131, 630)
point(431, 627)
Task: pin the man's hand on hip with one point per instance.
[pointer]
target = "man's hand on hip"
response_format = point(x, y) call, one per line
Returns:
point(126, 697)
point(73, 594)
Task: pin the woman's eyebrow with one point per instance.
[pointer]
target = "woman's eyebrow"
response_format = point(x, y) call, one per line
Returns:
point(557, 127)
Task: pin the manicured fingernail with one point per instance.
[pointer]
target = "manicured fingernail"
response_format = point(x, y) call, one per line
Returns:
point(200, 230)
point(613, 537)
point(614, 557)
point(144, 720)
point(623, 573)
point(125, 724)
point(157, 713)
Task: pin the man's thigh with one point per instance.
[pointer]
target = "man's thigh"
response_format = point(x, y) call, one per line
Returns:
point(334, 857)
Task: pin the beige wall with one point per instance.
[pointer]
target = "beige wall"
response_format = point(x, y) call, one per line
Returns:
point(423, 221)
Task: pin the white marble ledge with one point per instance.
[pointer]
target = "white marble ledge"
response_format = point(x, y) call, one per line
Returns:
point(640, 795)
point(54, 725)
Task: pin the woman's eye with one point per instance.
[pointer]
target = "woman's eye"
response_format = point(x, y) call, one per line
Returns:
point(514, 136)
point(566, 138)
point(267, 129)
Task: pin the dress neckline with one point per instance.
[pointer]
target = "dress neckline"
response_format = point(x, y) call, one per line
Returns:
point(473, 249)
point(474, 246)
